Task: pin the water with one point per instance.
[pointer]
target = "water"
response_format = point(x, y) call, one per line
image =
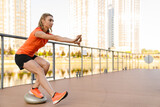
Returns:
point(13, 76)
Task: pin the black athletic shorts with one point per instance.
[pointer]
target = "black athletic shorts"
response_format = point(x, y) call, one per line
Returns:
point(20, 59)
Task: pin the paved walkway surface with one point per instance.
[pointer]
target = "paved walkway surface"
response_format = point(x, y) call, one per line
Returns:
point(131, 88)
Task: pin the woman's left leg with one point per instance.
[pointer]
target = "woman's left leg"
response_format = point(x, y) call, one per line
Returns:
point(45, 65)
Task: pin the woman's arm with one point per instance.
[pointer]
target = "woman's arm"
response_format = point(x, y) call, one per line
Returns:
point(43, 35)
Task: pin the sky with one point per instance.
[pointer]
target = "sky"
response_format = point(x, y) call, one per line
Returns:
point(58, 8)
point(150, 24)
point(149, 21)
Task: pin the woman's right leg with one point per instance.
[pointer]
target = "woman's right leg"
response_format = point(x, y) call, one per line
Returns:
point(35, 68)
point(45, 65)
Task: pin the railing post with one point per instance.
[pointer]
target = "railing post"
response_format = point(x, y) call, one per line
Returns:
point(135, 61)
point(32, 78)
point(126, 62)
point(117, 61)
point(2, 61)
point(107, 61)
point(92, 61)
point(129, 62)
point(138, 61)
point(122, 60)
point(82, 61)
point(132, 61)
point(99, 60)
point(69, 63)
point(148, 61)
point(53, 56)
point(112, 61)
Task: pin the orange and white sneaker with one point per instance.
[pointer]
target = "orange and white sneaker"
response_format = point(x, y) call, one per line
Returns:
point(57, 97)
point(36, 93)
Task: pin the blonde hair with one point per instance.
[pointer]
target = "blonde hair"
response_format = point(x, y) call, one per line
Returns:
point(43, 17)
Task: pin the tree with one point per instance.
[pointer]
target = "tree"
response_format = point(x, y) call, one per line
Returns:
point(128, 52)
point(68, 54)
point(44, 53)
point(36, 53)
point(39, 53)
point(63, 53)
point(78, 54)
point(50, 53)
point(87, 54)
point(5, 52)
point(72, 54)
point(143, 51)
point(156, 51)
point(11, 51)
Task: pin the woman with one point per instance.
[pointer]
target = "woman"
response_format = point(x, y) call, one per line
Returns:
point(25, 58)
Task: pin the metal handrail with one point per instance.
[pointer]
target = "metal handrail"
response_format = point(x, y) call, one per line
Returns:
point(53, 56)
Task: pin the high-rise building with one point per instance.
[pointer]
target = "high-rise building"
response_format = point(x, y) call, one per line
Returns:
point(124, 17)
point(101, 23)
point(136, 27)
point(79, 18)
point(111, 36)
point(15, 20)
point(87, 17)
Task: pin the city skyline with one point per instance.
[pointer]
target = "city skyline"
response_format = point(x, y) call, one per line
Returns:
point(123, 22)
point(147, 16)
point(87, 17)
point(90, 18)
point(148, 30)
point(15, 20)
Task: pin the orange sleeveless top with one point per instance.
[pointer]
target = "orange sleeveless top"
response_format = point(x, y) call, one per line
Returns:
point(32, 44)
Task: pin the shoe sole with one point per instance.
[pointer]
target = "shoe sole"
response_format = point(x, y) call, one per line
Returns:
point(56, 102)
point(31, 93)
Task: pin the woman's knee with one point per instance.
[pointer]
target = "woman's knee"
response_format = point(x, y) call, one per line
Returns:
point(40, 71)
point(47, 65)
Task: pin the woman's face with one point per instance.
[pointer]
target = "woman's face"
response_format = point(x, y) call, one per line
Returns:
point(48, 22)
